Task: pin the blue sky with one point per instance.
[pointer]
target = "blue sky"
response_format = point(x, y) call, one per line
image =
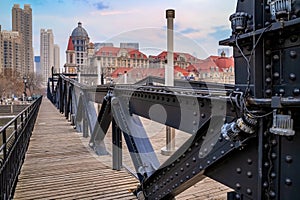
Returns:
point(199, 24)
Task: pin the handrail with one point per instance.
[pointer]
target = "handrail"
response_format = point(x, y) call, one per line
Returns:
point(13, 146)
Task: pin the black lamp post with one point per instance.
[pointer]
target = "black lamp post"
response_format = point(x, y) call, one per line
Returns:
point(25, 85)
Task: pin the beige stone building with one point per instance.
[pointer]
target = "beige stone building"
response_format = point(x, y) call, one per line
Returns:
point(22, 22)
point(10, 53)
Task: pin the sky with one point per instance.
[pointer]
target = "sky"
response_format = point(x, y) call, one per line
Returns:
point(199, 25)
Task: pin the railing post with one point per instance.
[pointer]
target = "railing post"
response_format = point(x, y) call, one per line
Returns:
point(117, 146)
point(84, 124)
point(16, 128)
point(4, 143)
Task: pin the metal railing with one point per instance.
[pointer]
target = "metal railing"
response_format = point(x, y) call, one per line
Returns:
point(14, 140)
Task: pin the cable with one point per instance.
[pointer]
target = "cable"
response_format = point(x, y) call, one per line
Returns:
point(248, 60)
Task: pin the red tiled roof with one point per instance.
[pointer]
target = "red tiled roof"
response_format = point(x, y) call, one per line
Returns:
point(134, 52)
point(120, 71)
point(70, 45)
point(224, 62)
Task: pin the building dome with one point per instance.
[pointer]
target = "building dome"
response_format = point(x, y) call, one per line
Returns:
point(79, 31)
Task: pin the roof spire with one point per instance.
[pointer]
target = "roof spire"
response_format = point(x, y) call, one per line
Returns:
point(70, 45)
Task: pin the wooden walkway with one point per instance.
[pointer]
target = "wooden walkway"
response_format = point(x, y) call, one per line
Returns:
point(59, 166)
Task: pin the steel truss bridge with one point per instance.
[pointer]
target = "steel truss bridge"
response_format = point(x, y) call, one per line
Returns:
point(244, 135)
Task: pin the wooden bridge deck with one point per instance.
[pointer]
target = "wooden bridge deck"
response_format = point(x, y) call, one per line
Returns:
point(60, 165)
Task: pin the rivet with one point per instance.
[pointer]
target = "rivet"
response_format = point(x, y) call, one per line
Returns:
point(281, 41)
point(289, 159)
point(176, 173)
point(238, 170)
point(268, 80)
point(231, 145)
point(194, 172)
point(200, 154)
point(187, 177)
point(214, 158)
point(266, 164)
point(194, 159)
point(293, 54)
point(202, 115)
point(196, 144)
point(194, 122)
point(183, 155)
point(249, 174)
point(249, 161)
point(238, 186)
point(195, 113)
point(281, 91)
point(276, 75)
point(272, 194)
point(273, 175)
point(181, 169)
point(268, 67)
point(171, 177)
point(267, 8)
point(268, 92)
point(205, 150)
point(273, 156)
point(296, 91)
point(237, 196)
point(168, 180)
point(266, 146)
point(274, 142)
point(249, 191)
point(276, 57)
point(265, 184)
point(200, 167)
point(294, 38)
point(292, 76)
point(268, 52)
point(187, 164)
point(181, 181)
point(222, 152)
point(288, 181)
point(208, 162)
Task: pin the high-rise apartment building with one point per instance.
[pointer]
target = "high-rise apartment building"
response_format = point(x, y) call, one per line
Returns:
point(56, 57)
point(46, 53)
point(22, 22)
point(1, 52)
point(11, 53)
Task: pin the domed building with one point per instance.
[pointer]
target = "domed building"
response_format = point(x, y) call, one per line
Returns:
point(79, 47)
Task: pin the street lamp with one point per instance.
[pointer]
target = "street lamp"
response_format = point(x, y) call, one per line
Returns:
point(25, 86)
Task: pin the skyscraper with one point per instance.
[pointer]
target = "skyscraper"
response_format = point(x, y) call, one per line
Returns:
point(46, 53)
point(56, 57)
point(22, 22)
